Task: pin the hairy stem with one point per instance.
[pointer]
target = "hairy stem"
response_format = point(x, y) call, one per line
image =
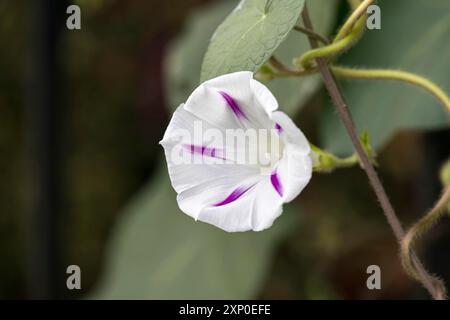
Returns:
point(339, 44)
point(331, 50)
point(417, 230)
point(354, 3)
point(348, 26)
point(372, 74)
point(312, 34)
point(383, 74)
point(281, 70)
point(344, 114)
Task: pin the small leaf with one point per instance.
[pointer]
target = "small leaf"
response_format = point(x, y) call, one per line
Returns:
point(249, 35)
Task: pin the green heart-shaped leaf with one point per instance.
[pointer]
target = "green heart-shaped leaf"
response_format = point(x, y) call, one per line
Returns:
point(249, 35)
point(186, 53)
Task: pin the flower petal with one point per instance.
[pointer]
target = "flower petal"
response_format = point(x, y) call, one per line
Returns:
point(276, 183)
point(290, 132)
point(233, 196)
point(235, 193)
point(219, 195)
point(267, 207)
point(295, 167)
point(294, 172)
point(228, 102)
point(179, 146)
point(256, 207)
point(264, 97)
point(235, 107)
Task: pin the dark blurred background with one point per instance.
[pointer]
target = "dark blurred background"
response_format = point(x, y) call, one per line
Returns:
point(81, 113)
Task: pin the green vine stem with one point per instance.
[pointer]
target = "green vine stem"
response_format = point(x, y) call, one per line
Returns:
point(416, 231)
point(310, 33)
point(354, 3)
point(425, 224)
point(359, 11)
point(387, 74)
point(433, 285)
point(332, 50)
point(347, 36)
point(445, 178)
point(445, 173)
point(326, 162)
point(329, 51)
point(304, 65)
point(279, 69)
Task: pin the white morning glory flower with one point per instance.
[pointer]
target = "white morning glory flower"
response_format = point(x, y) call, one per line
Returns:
point(232, 158)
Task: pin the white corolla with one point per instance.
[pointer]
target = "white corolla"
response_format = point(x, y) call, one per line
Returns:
point(232, 158)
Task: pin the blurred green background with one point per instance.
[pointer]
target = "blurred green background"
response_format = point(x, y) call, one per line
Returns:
point(110, 208)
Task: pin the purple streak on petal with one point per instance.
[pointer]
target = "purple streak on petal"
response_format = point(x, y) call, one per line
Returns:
point(203, 150)
point(233, 105)
point(278, 128)
point(236, 194)
point(276, 183)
